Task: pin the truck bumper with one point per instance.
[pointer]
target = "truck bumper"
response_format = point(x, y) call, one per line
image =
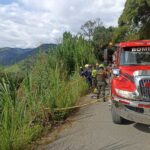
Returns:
point(132, 112)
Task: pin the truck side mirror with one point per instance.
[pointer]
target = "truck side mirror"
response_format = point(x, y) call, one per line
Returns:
point(116, 72)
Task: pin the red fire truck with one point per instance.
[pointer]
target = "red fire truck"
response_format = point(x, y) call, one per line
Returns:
point(130, 86)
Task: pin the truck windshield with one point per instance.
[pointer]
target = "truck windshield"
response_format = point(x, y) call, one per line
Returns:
point(135, 56)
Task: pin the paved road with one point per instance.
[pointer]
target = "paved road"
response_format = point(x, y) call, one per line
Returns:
point(93, 130)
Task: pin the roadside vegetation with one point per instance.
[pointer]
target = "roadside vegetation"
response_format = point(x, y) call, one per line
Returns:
point(53, 81)
point(134, 22)
point(30, 94)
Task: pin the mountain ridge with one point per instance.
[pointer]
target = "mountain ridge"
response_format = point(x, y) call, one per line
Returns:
point(10, 56)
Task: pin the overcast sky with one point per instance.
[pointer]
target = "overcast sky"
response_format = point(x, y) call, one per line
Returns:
point(29, 23)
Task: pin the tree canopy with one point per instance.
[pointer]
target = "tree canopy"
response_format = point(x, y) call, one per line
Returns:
point(134, 22)
point(98, 36)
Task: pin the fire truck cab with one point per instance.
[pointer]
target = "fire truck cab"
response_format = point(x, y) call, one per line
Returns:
point(130, 85)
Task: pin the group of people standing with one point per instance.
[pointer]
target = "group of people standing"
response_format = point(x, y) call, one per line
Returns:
point(97, 76)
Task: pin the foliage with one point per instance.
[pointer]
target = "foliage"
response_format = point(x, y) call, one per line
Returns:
point(119, 34)
point(88, 29)
point(13, 68)
point(98, 36)
point(74, 52)
point(52, 82)
point(134, 22)
point(101, 38)
point(142, 19)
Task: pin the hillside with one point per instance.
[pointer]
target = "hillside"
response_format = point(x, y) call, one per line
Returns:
point(10, 56)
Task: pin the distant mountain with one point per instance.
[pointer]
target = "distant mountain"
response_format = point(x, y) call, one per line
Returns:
point(10, 56)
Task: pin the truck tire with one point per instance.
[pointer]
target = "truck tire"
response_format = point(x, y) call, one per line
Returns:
point(115, 117)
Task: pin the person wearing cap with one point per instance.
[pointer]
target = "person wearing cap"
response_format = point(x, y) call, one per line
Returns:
point(87, 75)
point(101, 65)
point(81, 72)
point(94, 73)
point(101, 82)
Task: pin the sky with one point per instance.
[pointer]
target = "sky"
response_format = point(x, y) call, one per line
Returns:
point(30, 23)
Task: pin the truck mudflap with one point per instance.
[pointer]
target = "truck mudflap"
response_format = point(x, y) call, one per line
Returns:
point(136, 111)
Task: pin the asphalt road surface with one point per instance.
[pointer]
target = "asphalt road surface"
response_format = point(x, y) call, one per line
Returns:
point(93, 129)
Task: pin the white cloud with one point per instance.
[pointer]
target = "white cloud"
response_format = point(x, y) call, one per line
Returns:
point(28, 23)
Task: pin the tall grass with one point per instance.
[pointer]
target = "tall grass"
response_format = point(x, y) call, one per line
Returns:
point(14, 120)
point(54, 82)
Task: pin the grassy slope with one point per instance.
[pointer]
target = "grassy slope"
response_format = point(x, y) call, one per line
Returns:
point(14, 68)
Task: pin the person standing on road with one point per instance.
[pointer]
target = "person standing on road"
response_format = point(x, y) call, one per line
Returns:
point(101, 82)
point(87, 75)
point(109, 73)
point(94, 72)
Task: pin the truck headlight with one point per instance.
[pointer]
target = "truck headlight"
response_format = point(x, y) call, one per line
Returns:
point(127, 94)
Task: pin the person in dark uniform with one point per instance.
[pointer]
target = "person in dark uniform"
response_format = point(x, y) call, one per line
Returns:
point(88, 75)
point(81, 72)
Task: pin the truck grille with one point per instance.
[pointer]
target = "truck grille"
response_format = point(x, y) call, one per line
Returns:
point(145, 91)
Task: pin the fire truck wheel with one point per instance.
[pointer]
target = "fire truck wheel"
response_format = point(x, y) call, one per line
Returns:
point(115, 117)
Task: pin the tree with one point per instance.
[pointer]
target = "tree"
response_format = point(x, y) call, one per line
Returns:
point(134, 22)
point(119, 34)
point(98, 36)
point(142, 19)
point(102, 36)
point(88, 29)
